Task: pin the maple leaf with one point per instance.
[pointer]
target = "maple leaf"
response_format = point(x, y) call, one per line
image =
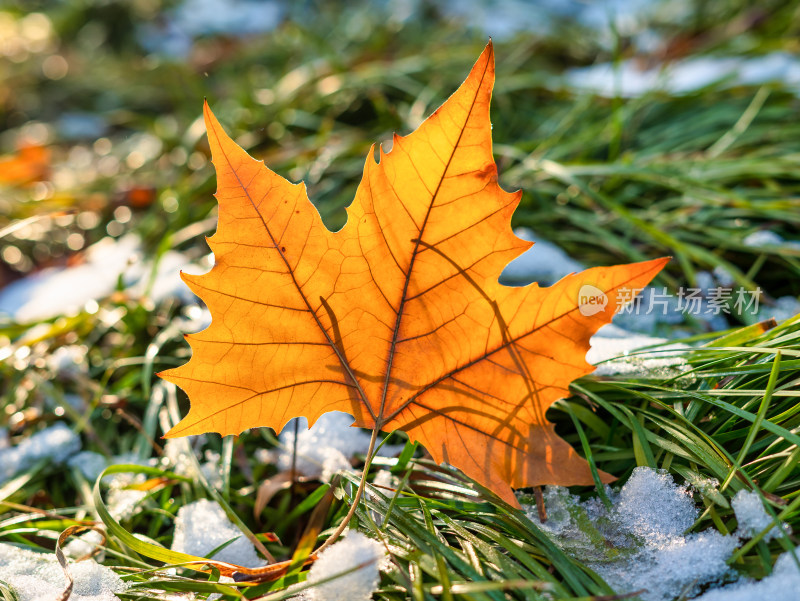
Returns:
point(398, 318)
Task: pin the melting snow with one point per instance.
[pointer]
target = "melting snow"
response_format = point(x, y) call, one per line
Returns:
point(83, 544)
point(631, 79)
point(178, 451)
point(202, 526)
point(36, 576)
point(123, 502)
point(611, 345)
point(638, 542)
point(762, 238)
point(56, 291)
point(65, 290)
point(545, 262)
point(609, 19)
point(353, 550)
point(326, 447)
point(88, 463)
point(784, 308)
point(194, 18)
point(67, 360)
point(751, 516)
point(56, 443)
point(781, 585)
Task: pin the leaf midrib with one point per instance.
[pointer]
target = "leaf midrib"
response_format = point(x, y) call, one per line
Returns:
point(379, 419)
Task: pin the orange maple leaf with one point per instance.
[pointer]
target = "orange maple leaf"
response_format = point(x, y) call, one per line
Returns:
point(398, 318)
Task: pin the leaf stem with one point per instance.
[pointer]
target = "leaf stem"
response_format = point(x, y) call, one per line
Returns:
point(359, 493)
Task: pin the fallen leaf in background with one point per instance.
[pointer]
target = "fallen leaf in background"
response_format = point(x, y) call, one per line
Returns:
point(31, 163)
point(398, 318)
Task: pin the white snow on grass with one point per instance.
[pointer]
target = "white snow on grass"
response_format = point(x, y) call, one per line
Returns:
point(202, 526)
point(611, 346)
point(56, 443)
point(355, 549)
point(545, 263)
point(631, 78)
point(178, 455)
point(638, 543)
point(653, 507)
point(782, 585)
point(124, 502)
point(37, 577)
point(89, 464)
point(83, 544)
point(67, 360)
point(327, 447)
point(762, 238)
point(57, 291)
point(66, 290)
point(751, 516)
point(174, 33)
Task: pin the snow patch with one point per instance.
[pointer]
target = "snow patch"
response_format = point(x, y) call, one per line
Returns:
point(56, 443)
point(611, 345)
point(751, 516)
point(638, 542)
point(326, 447)
point(36, 576)
point(67, 360)
point(124, 502)
point(82, 545)
point(654, 507)
point(781, 585)
point(355, 549)
point(67, 290)
point(194, 18)
point(202, 526)
point(88, 463)
point(631, 79)
point(784, 308)
point(178, 452)
point(545, 263)
point(57, 291)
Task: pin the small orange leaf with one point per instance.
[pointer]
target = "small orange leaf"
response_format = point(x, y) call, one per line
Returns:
point(398, 318)
point(30, 164)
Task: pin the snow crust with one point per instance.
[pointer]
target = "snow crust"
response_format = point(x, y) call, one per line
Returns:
point(66, 290)
point(202, 526)
point(638, 543)
point(782, 585)
point(353, 550)
point(177, 453)
point(56, 443)
point(36, 576)
point(630, 79)
point(611, 345)
point(325, 448)
point(544, 262)
point(88, 463)
point(751, 516)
